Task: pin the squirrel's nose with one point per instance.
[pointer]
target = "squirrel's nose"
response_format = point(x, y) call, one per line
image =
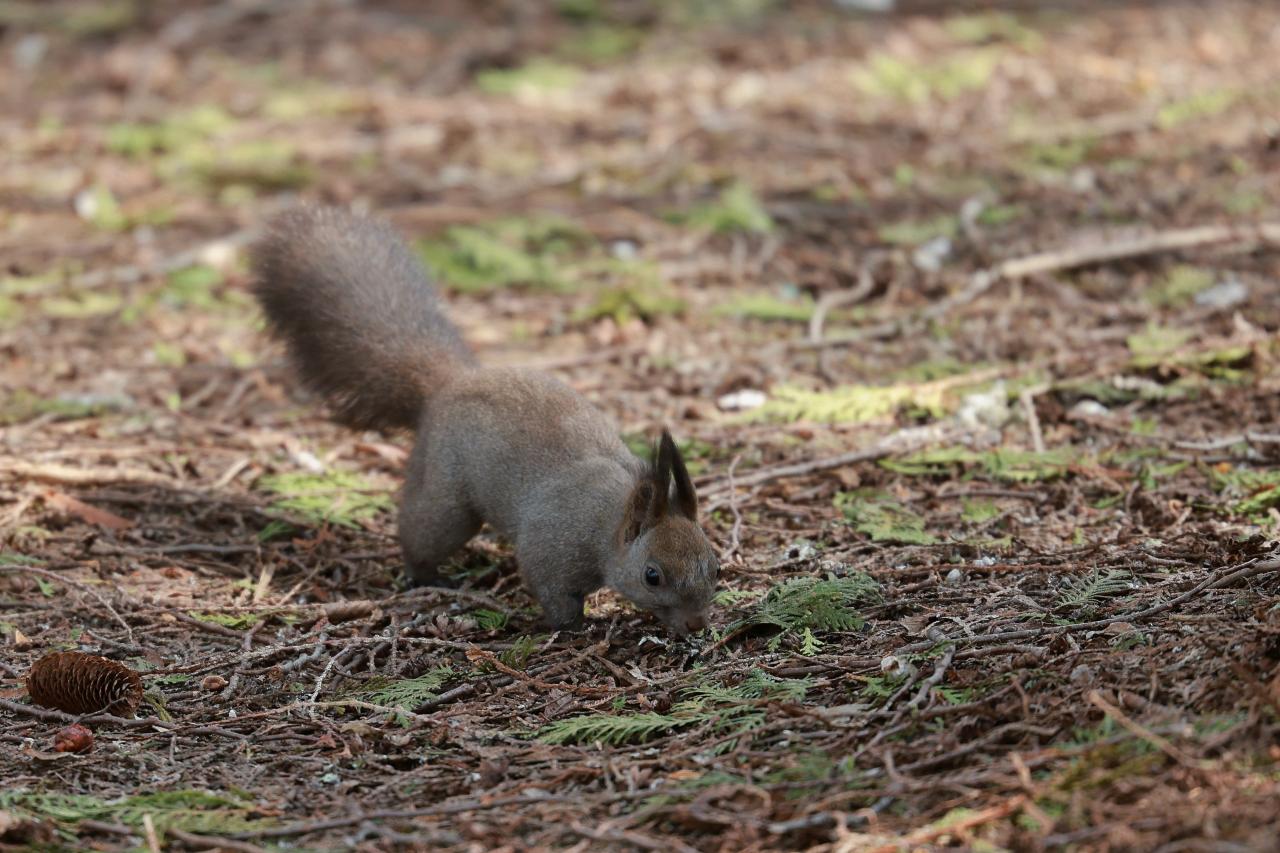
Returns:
point(695, 622)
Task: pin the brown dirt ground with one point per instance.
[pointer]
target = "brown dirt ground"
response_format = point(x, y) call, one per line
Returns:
point(1075, 648)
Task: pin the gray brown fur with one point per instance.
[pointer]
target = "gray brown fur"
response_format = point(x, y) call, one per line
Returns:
point(517, 449)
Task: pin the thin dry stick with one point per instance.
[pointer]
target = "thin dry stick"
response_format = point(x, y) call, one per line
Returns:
point(735, 535)
point(1057, 260)
point(1027, 399)
point(840, 298)
point(68, 475)
point(901, 441)
point(1140, 730)
point(1153, 243)
point(149, 828)
point(939, 672)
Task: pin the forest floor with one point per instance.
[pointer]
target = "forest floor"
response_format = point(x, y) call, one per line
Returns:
point(967, 322)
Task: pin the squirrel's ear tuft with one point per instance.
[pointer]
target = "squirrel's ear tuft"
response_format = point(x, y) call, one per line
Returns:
point(662, 463)
point(686, 498)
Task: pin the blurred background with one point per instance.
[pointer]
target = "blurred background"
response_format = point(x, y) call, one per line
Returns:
point(680, 183)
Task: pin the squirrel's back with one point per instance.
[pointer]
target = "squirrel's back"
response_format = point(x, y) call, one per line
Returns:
point(358, 314)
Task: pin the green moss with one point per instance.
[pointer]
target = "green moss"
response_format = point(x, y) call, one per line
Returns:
point(1244, 202)
point(88, 303)
point(637, 292)
point(1154, 342)
point(883, 519)
point(187, 147)
point(536, 76)
point(22, 406)
point(715, 12)
point(892, 78)
point(737, 209)
point(979, 511)
point(766, 306)
point(1179, 286)
point(508, 252)
point(173, 134)
point(1057, 157)
point(579, 10)
point(1252, 493)
point(337, 497)
point(1197, 107)
point(601, 43)
point(988, 27)
point(1016, 466)
point(100, 18)
point(914, 232)
point(262, 164)
point(857, 403)
point(1001, 214)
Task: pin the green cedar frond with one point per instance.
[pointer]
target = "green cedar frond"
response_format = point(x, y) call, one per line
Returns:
point(1089, 591)
point(189, 810)
point(407, 693)
point(613, 729)
point(820, 604)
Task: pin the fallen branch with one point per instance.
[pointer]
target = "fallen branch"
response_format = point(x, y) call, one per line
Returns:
point(1057, 260)
point(68, 475)
point(1153, 243)
point(900, 442)
point(1139, 730)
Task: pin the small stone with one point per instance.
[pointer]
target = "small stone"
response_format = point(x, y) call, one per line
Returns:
point(1224, 294)
point(867, 5)
point(985, 408)
point(1084, 180)
point(1087, 409)
point(893, 666)
point(220, 254)
point(930, 256)
point(30, 51)
point(741, 401)
point(624, 250)
point(955, 576)
point(330, 779)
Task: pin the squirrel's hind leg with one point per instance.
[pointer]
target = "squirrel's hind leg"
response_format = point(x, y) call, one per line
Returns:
point(434, 525)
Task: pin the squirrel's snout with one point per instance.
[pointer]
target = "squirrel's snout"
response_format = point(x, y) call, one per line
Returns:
point(684, 623)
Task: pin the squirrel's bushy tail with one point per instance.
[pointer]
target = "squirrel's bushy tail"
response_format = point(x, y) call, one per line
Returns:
point(358, 313)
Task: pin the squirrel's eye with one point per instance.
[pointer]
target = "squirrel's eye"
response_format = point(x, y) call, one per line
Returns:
point(652, 576)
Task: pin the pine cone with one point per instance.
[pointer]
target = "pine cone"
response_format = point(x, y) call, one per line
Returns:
point(84, 684)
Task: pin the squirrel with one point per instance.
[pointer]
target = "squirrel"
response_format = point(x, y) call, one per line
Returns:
point(515, 448)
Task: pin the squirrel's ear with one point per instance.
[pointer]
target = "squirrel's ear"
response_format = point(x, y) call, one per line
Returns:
point(660, 501)
point(636, 518)
point(686, 497)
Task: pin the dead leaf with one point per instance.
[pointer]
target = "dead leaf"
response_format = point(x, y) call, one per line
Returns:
point(387, 452)
point(85, 512)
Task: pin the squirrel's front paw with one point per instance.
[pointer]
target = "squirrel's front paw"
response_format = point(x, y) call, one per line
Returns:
point(566, 614)
point(423, 579)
